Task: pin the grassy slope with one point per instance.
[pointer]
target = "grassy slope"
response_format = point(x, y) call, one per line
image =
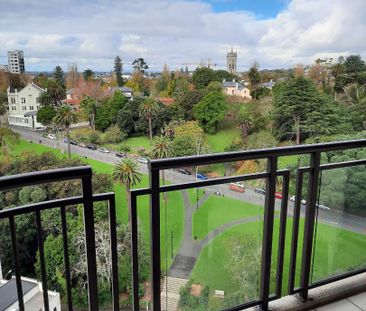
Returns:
point(175, 206)
point(335, 253)
point(217, 211)
point(222, 139)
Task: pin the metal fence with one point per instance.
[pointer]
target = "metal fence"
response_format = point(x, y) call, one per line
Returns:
point(271, 155)
point(154, 191)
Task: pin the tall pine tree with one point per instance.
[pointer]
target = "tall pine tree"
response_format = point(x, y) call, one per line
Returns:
point(118, 70)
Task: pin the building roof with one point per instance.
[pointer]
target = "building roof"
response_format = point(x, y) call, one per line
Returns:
point(232, 84)
point(167, 100)
point(12, 90)
point(8, 292)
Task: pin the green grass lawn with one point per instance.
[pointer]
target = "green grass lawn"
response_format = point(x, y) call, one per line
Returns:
point(217, 211)
point(336, 251)
point(222, 139)
point(285, 162)
point(175, 208)
point(134, 143)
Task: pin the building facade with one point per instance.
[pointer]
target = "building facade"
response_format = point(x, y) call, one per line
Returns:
point(16, 61)
point(234, 88)
point(231, 58)
point(23, 106)
point(33, 296)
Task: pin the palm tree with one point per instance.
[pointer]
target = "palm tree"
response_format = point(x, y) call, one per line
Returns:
point(127, 174)
point(163, 148)
point(65, 116)
point(149, 109)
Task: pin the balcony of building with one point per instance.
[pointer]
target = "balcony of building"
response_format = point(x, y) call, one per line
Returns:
point(253, 246)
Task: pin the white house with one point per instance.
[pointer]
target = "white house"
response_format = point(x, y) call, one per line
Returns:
point(23, 106)
point(236, 89)
point(33, 296)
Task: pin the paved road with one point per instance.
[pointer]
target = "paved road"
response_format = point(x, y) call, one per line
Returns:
point(338, 219)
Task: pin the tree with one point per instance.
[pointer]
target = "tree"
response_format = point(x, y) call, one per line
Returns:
point(162, 148)
point(59, 77)
point(244, 120)
point(202, 77)
point(126, 172)
point(149, 110)
point(107, 111)
point(118, 70)
point(54, 95)
point(3, 104)
point(140, 65)
point(300, 109)
point(354, 64)
point(46, 114)
point(88, 74)
point(187, 101)
point(72, 75)
point(210, 111)
point(254, 78)
point(88, 105)
point(65, 116)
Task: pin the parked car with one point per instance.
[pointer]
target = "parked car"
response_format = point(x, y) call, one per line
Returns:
point(51, 136)
point(260, 191)
point(184, 171)
point(73, 142)
point(91, 147)
point(303, 201)
point(278, 195)
point(238, 187)
point(142, 160)
point(292, 199)
point(322, 206)
point(104, 150)
point(120, 154)
point(201, 176)
point(81, 144)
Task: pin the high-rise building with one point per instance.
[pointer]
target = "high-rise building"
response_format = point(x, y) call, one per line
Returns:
point(231, 61)
point(16, 61)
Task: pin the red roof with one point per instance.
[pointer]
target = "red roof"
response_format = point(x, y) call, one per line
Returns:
point(167, 100)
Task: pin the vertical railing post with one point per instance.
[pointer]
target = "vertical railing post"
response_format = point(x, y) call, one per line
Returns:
point(295, 231)
point(114, 253)
point(309, 224)
point(134, 251)
point(90, 243)
point(268, 232)
point(155, 238)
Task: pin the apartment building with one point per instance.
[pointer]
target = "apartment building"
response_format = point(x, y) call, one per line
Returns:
point(16, 61)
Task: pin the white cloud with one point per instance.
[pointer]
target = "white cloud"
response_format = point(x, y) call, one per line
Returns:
point(177, 31)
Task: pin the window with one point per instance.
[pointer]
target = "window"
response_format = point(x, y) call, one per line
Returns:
point(37, 100)
point(31, 107)
point(23, 100)
point(24, 108)
point(13, 108)
point(12, 100)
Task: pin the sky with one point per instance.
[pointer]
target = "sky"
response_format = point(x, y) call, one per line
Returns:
point(274, 33)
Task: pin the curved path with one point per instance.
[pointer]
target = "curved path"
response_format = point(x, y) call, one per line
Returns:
point(190, 249)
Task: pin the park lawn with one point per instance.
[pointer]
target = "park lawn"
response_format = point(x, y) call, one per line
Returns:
point(337, 251)
point(222, 139)
point(287, 161)
point(175, 207)
point(217, 211)
point(134, 143)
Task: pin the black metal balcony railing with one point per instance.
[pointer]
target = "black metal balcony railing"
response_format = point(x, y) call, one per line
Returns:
point(313, 172)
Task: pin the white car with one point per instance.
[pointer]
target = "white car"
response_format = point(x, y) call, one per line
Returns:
point(142, 160)
point(321, 206)
point(303, 201)
point(238, 184)
point(104, 150)
point(51, 136)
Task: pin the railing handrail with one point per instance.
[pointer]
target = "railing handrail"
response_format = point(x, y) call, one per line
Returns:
point(205, 159)
point(39, 177)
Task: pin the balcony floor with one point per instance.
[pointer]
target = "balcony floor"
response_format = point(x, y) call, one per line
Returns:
point(353, 303)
